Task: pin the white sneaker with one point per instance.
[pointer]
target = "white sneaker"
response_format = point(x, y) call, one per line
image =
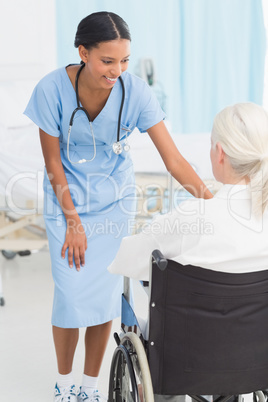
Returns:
point(65, 394)
point(95, 397)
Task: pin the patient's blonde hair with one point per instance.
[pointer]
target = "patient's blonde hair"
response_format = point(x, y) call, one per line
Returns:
point(242, 131)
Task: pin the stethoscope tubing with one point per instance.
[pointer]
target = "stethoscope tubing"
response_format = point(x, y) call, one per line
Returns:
point(116, 146)
point(86, 112)
point(121, 108)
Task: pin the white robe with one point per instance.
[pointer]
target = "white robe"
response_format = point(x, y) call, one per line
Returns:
point(221, 234)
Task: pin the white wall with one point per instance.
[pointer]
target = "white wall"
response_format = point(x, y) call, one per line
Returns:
point(27, 39)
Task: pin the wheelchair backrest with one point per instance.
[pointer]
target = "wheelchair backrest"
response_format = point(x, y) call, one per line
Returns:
point(208, 331)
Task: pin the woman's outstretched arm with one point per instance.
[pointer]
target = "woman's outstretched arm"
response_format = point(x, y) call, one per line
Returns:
point(175, 163)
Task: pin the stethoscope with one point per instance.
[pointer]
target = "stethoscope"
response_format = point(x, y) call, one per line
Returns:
point(117, 146)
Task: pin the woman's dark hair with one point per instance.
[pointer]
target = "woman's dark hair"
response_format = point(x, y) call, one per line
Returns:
point(100, 27)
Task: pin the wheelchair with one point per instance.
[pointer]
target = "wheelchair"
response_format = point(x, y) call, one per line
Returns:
point(207, 334)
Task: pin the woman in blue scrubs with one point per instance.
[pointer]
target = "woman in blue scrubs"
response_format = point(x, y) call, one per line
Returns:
point(89, 190)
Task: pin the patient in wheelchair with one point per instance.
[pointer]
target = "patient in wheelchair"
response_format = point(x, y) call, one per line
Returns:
point(228, 233)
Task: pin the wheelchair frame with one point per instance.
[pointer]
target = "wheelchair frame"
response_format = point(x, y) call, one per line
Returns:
point(130, 377)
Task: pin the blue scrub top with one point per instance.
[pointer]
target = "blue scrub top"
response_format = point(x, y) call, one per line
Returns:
point(50, 107)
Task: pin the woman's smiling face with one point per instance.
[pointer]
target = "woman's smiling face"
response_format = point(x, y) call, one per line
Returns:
point(105, 63)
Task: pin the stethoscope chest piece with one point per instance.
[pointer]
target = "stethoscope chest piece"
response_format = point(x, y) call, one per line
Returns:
point(117, 148)
point(126, 147)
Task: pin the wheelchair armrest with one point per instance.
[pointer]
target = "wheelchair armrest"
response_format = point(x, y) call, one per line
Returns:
point(159, 260)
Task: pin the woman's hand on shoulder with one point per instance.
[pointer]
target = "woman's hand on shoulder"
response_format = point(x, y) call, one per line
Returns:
point(75, 242)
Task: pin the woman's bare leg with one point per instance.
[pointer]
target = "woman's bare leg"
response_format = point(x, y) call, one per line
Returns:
point(96, 339)
point(65, 340)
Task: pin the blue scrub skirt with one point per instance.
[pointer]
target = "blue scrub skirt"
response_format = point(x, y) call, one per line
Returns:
point(91, 296)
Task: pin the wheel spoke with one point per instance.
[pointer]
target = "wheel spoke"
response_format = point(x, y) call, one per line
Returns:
point(130, 379)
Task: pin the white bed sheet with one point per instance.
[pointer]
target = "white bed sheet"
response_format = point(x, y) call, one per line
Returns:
point(21, 169)
point(21, 160)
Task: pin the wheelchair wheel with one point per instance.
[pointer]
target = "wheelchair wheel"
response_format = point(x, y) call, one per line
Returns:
point(259, 396)
point(130, 379)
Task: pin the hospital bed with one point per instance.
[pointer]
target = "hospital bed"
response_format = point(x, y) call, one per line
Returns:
point(206, 334)
point(21, 166)
point(22, 229)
